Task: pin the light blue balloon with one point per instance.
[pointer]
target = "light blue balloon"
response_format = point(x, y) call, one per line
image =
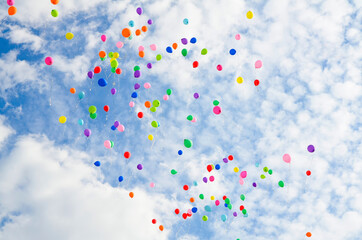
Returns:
point(131, 23)
point(207, 208)
point(195, 183)
point(257, 164)
point(246, 215)
point(81, 95)
point(224, 217)
point(80, 122)
point(186, 21)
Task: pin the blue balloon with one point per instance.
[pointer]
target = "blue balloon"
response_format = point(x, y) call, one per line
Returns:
point(97, 163)
point(102, 82)
point(134, 95)
point(217, 166)
point(194, 209)
point(113, 128)
point(131, 23)
point(207, 208)
point(81, 95)
point(193, 40)
point(80, 122)
point(226, 205)
point(223, 217)
point(179, 152)
point(120, 179)
point(169, 49)
point(232, 51)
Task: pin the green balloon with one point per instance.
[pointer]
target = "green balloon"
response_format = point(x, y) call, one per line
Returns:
point(215, 102)
point(265, 169)
point(189, 117)
point(201, 196)
point(54, 13)
point(187, 143)
point(130, 37)
point(92, 109)
point(93, 115)
point(103, 58)
point(281, 184)
point(242, 197)
point(173, 171)
point(112, 144)
point(270, 172)
point(136, 68)
point(156, 103)
point(154, 124)
point(158, 57)
point(227, 200)
point(153, 109)
point(110, 54)
point(230, 206)
point(169, 92)
point(205, 218)
point(262, 176)
point(113, 70)
point(204, 51)
point(184, 52)
point(244, 211)
point(114, 63)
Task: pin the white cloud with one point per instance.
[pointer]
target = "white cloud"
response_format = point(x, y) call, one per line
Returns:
point(5, 131)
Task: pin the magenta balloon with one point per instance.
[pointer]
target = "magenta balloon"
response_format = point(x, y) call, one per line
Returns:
point(10, 2)
point(113, 91)
point(217, 110)
point(49, 61)
point(243, 174)
point(87, 132)
point(103, 38)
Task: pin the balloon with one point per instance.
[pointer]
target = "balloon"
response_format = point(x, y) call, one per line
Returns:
point(185, 187)
point(149, 65)
point(194, 209)
point(102, 82)
point(140, 115)
point(236, 169)
point(223, 217)
point(254, 184)
point(184, 41)
point(169, 92)
point(153, 47)
point(196, 95)
point(204, 51)
point(81, 95)
point(225, 160)
point(219, 67)
point(154, 124)
point(270, 172)
point(161, 227)
point(55, 2)
point(113, 91)
point(241, 181)
point(265, 169)
point(62, 119)
point(137, 86)
point(311, 148)
point(97, 69)
point(103, 38)
point(154, 221)
point(244, 211)
point(165, 97)
point(235, 214)
point(126, 32)
point(120, 128)
point(193, 40)
point(308, 234)
point(204, 218)
point(72, 90)
point(54, 13)
point(69, 36)
point(177, 211)
point(174, 46)
point(93, 115)
point(204, 179)
point(179, 152)
point(185, 21)
point(256, 164)
point(80, 122)
point(258, 64)
point(207, 208)
point(217, 202)
point(286, 158)
point(139, 167)
point(156, 103)
point(113, 128)
point(281, 184)
point(119, 44)
point(131, 104)
point(90, 74)
point(141, 54)
point(211, 178)
point(173, 172)
point(149, 21)
point(240, 80)
point(249, 15)
point(49, 61)
point(242, 197)
point(256, 82)
point(107, 144)
point(97, 163)
point(169, 49)
point(195, 64)
point(237, 36)
point(102, 54)
point(131, 194)
point(141, 48)
point(189, 117)
point(216, 102)
point(127, 154)
point(10, 2)
point(147, 104)
point(217, 166)
point(262, 176)
point(120, 178)
point(217, 110)
point(184, 52)
point(194, 120)
point(158, 57)
point(134, 95)
point(187, 143)
point(147, 85)
point(308, 173)
point(232, 51)
point(87, 132)
point(139, 11)
point(153, 109)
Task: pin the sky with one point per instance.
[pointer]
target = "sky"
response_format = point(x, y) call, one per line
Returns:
point(310, 93)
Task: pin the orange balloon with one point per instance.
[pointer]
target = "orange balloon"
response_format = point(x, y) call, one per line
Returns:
point(161, 227)
point(102, 54)
point(138, 32)
point(72, 90)
point(147, 104)
point(55, 2)
point(192, 199)
point(308, 234)
point(141, 54)
point(144, 29)
point(174, 46)
point(126, 32)
point(12, 10)
point(131, 194)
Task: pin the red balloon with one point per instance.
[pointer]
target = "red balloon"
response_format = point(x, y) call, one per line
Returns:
point(256, 82)
point(189, 214)
point(97, 69)
point(308, 173)
point(127, 154)
point(186, 187)
point(184, 215)
point(195, 64)
point(241, 207)
point(209, 168)
point(224, 197)
point(154, 221)
point(118, 71)
point(231, 157)
point(140, 114)
point(106, 108)
point(177, 211)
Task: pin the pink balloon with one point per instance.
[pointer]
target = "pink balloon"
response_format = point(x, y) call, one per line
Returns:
point(287, 158)
point(153, 47)
point(241, 181)
point(103, 38)
point(10, 2)
point(194, 120)
point(131, 104)
point(189, 211)
point(258, 64)
point(49, 61)
point(107, 144)
point(152, 185)
point(243, 174)
point(120, 128)
point(141, 48)
point(165, 97)
point(211, 178)
point(219, 67)
point(237, 36)
point(147, 85)
point(217, 202)
point(119, 44)
point(217, 110)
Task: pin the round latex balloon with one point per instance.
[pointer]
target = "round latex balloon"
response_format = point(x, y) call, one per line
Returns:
point(69, 36)
point(149, 21)
point(147, 85)
point(87, 132)
point(103, 38)
point(153, 47)
point(237, 36)
point(127, 154)
point(49, 61)
point(158, 57)
point(55, 2)
point(219, 67)
point(258, 64)
point(287, 158)
point(308, 173)
point(256, 82)
point(113, 91)
point(120, 179)
point(119, 44)
point(97, 69)
point(311, 148)
point(240, 80)
point(131, 104)
point(72, 90)
point(196, 95)
point(139, 167)
point(80, 122)
point(173, 172)
point(184, 41)
point(232, 51)
point(139, 11)
point(165, 97)
point(62, 119)
point(149, 65)
point(90, 74)
point(107, 144)
point(106, 109)
point(281, 184)
point(120, 128)
point(102, 82)
point(54, 13)
point(217, 110)
point(195, 64)
point(169, 92)
point(97, 163)
point(204, 51)
point(308, 234)
point(223, 217)
point(169, 49)
point(126, 32)
point(184, 52)
point(193, 40)
point(249, 14)
point(131, 23)
point(185, 21)
point(187, 143)
point(179, 152)
point(10, 2)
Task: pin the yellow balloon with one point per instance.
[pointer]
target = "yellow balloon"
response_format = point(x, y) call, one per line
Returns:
point(62, 119)
point(116, 55)
point(212, 197)
point(150, 137)
point(240, 80)
point(249, 15)
point(69, 36)
point(111, 60)
point(236, 169)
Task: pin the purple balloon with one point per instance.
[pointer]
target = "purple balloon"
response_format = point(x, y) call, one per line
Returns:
point(90, 74)
point(113, 91)
point(139, 11)
point(137, 86)
point(311, 148)
point(225, 160)
point(149, 21)
point(204, 179)
point(196, 95)
point(149, 65)
point(254, 184)
point(116, 124)
point(137, 74)
point(87, 132)
point(235, 214)
point(139, 166)
point(184, 41)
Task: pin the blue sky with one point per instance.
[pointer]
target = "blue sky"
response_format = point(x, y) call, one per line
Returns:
point(310, 93)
